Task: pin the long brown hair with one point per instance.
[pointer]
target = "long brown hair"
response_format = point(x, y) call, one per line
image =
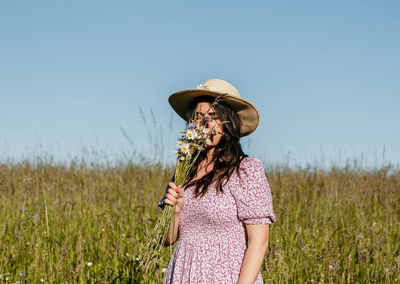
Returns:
point(228, 152)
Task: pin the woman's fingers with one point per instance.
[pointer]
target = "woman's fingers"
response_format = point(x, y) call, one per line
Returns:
point(172, 185)
point(169, 202)
point(180, 191)
point(172, 196)
point(175, 187)
point(174, 193)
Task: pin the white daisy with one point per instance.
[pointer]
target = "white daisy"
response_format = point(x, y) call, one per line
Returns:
point(185, 148)
point(190, 134)
point(203, 86)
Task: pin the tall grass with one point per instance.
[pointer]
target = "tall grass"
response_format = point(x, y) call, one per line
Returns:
point(84, 223)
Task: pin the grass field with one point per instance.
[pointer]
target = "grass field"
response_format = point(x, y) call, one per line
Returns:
point(81, 224)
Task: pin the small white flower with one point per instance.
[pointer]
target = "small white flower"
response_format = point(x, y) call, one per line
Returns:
point(89, 264)
point(127, 254)
point(185, 148)
point(208, 141)
point(331, 267)
point(163, 270)
point(182, 158)
point(190, 134)
point(6, 278)
point(42, 280)
point(203, 86)
point(137, 258)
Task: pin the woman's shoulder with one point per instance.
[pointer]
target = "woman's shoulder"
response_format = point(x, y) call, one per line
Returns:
point(250, 167)
point(251, 163)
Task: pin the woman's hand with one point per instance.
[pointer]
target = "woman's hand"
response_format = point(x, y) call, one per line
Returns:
point(175, 197)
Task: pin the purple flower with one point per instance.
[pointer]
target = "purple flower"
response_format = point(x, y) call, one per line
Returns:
point(191, 125)
point(55, 202)
point(22, 209)
point(20, 273)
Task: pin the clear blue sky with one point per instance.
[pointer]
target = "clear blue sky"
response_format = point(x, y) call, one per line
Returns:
point(324, 74)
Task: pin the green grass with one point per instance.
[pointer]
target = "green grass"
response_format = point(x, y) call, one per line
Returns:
point(336, 226)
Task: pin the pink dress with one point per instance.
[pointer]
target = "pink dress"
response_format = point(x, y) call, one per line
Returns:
point(212, 233)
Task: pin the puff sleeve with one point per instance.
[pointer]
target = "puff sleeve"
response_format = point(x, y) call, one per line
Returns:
point(252, 193)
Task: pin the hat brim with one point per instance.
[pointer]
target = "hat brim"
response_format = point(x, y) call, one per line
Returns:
point(248, 113)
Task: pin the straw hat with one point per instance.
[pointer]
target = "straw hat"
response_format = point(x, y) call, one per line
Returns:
point(247, 112)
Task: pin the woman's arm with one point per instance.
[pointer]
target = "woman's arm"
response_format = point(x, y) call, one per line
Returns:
point(172, 234)
point(255, 253)
point(174, 197)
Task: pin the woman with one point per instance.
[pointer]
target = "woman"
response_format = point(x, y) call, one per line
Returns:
point(223, 211)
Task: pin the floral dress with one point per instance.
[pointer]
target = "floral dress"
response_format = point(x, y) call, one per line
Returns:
point(212, 237)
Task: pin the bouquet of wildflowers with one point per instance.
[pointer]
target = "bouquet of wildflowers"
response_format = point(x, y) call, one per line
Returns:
point(192, 141)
